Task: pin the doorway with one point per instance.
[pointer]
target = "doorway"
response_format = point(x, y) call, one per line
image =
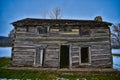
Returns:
point(40, 52)
point(64, 56)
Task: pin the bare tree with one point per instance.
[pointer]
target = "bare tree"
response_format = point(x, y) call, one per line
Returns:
point(55, 13)
point(115, 35)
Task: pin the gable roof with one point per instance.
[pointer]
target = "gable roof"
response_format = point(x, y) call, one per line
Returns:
point(34, 21)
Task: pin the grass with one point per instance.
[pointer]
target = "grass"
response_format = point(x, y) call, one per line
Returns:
point(45, 75)
point(4, 62)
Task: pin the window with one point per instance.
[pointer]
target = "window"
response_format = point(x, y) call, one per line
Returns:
point(65, 29)
point(84, 30)
point(42, 30)
point(40, 56)
point(84, 55)
point(27, 29)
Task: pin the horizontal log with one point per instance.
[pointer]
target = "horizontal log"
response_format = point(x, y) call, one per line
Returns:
point(99, 50)
point(53, 46)
point(102, 65)
point(75, 64)
point(53, 50)
point(74, 54)
point(100, 46)
point(98, 30)
point(51, 63)
point(75, 49)
point(100, 34)
point(24, 49)
point(64, 41)
point(23, 53)
point(18, 45)
point(23, 63)
point(75, 59)
point(100, 54)
point(30, 47)
point(23, 59)
point(101, 59)
point(57, 37)
point(105, 62)
point(19, 29)
point(20, 34)
point(52, 57)
point(100, 43)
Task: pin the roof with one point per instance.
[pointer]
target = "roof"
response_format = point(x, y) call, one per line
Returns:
point(34, 21)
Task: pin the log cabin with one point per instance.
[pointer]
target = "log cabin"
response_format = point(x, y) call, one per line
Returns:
point(61, 43)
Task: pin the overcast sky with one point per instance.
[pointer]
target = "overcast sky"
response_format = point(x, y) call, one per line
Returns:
point(12, 10)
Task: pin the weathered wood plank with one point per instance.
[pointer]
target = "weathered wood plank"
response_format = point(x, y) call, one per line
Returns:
point(23, 53)
point(22, 34)
point(24, 49)
point(100, 46)
point(101, 59)
point(100, 54)
point(51, 63)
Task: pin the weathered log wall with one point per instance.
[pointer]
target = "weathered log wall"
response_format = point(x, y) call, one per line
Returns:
point(52, 56)
point(27, 39)
point(23, 56)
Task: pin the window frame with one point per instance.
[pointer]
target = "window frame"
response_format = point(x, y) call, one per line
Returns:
point(65, 29)
point(84, 31)
point(89, 56)
point(42, 30)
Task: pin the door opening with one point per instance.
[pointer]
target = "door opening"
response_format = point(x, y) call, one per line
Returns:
point(40, 56)
point(84, 55)
point(43, 57)
point(64, 56)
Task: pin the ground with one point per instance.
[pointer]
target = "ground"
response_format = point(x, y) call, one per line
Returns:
point(48, 75)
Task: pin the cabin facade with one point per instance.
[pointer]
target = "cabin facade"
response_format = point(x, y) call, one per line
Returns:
point(61, 43)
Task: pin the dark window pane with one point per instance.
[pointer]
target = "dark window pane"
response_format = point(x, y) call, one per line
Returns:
point(84, 55)
point(65, 28)
point(42, 30)
point(84, 31)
